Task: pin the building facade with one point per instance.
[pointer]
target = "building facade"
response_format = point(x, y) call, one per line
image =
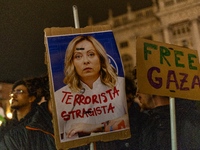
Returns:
point(5, 89)
point(170, 21)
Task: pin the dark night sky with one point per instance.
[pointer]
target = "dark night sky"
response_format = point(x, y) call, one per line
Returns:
point(22, 23)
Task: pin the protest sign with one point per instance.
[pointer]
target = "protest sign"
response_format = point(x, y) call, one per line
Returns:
point(87, 86)
point(167, 70)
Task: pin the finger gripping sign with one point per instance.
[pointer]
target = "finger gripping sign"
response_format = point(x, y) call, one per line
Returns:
point(167, 70)
point(87, 85)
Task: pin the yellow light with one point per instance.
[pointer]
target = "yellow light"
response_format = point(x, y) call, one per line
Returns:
point(9, 115)
point(0, 122)
point(10, 101)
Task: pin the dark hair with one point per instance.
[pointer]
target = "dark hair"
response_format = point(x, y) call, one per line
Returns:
point(36, 86)
point(135, 73)
point(130, 86)
point(19, 82)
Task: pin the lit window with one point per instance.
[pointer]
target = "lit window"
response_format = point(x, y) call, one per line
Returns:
point(125, 19)
point(183, 30)
point(185, 43)
point(123, 44)
point(149, 13)
point(148, 37)
point(139, 15)
point(180, 30)
point(116, 23)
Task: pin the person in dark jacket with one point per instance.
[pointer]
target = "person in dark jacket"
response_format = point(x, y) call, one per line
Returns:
point(155, 131)
point(24, 103)
point(36, 135)
point(36, 132)
point(41, 127)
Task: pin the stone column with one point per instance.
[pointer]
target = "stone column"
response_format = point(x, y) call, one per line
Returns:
point(166, 34)
point(110, 17)
point(129, 12)
point(133, 40)
point(195, 36)
point(161, 4)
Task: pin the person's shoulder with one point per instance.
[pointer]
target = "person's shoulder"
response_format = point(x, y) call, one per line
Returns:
point(16, 130)
point(120, 78)
point(15, 138)
point(120, 81)
point(42, 119)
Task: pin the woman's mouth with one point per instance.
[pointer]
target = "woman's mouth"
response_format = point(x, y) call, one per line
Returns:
point(88, 68)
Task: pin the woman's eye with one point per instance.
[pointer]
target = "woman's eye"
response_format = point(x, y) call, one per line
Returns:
point(77, 56)
point(91, 54)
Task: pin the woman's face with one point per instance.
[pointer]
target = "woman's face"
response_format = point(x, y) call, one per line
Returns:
point(86, 61)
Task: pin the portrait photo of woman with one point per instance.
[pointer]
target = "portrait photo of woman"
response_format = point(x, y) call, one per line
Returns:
point(93, 100)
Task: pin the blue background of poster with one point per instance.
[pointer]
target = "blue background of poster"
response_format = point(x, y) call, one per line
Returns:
point(57, 46)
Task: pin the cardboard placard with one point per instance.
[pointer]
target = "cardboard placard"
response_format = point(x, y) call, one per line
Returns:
point(167, 70)
point(86, 97)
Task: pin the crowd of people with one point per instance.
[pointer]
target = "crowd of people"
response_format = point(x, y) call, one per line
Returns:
point(149, 117)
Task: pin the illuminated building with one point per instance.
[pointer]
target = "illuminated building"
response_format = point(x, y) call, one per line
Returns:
point(170, 21)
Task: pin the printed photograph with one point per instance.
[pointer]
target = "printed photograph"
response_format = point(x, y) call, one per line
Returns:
point(89, 85)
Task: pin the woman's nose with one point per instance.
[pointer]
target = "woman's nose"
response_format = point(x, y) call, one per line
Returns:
point(86, 60)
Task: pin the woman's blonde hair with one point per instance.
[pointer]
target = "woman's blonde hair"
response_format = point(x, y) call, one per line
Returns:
point(108, 74)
